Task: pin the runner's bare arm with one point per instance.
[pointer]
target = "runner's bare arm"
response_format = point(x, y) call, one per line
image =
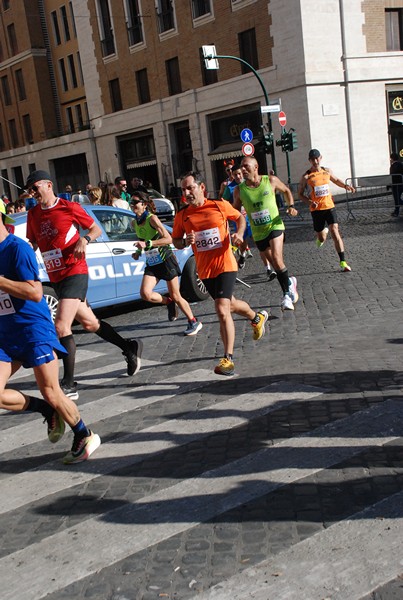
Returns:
point(279, 186)
point(237, 199)
point(24, 290)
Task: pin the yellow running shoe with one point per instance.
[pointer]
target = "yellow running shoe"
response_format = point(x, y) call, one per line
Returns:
point(225, 367)
point(259, 328)
point(344, 266)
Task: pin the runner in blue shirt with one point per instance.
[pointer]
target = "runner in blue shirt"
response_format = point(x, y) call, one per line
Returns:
point(28, 338)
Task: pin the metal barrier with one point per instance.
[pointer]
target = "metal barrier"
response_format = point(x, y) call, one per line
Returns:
point(373, 194)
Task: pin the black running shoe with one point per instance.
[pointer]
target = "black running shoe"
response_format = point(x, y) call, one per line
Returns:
point(241, 262)
point(172, 311)
point(133, 356)
point(70, 390)
point(271, 275)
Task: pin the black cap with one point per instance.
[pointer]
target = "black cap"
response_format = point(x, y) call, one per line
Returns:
point(37, 176)
point(314, 153)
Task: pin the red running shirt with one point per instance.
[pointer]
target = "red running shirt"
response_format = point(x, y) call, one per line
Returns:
point(55, 231)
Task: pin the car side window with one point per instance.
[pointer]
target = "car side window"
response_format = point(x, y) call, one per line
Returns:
point(118, 225)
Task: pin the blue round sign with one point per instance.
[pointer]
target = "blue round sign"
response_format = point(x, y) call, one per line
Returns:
point(246, 135)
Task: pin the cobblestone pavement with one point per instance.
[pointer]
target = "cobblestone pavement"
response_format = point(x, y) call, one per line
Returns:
point(285, 481)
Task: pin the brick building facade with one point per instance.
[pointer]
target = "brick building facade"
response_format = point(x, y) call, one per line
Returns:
point(91, 89)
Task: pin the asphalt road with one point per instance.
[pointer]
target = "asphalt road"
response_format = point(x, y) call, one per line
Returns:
point(282, 482)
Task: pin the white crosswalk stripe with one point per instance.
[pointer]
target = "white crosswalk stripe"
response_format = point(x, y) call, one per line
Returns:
point(176, 508)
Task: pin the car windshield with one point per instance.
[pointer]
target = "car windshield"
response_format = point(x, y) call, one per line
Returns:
point(154, 194)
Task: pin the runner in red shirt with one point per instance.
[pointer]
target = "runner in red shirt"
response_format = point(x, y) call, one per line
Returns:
point(53, 227)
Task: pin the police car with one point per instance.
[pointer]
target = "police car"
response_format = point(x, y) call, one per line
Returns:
point(114, 276)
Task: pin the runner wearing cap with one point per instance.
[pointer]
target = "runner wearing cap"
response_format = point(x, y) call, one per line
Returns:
point(53, 226)
point(28, 338)
point(155, 240)
point(314, 190)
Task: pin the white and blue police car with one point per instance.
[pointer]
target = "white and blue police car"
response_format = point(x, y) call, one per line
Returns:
point(114, 276)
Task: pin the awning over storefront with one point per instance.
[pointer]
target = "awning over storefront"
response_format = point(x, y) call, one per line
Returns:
point(144, 163)
point(226, 151)
point(397, 118)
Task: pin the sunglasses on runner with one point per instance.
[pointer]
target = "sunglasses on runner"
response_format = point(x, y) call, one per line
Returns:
point(35, 188)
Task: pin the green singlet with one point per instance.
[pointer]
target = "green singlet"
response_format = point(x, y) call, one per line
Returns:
point(146, 232)
point(261, 208)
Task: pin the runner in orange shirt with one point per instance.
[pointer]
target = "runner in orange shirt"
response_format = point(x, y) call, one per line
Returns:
point(204, 224)
point(314, 190)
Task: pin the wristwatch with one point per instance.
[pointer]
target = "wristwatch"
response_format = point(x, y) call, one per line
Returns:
point(87, 237)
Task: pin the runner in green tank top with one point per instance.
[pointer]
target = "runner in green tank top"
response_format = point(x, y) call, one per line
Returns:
point(257, 194)
point(155, 240)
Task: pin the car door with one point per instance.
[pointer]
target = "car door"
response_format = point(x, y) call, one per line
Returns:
point(119, 235)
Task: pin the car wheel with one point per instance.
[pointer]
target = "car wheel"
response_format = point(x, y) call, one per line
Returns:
point(192, 288)
point(51, 300)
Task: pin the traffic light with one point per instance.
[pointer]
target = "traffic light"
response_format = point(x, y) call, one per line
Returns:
point(267, 142)
point(288, 141)
point(294, 141)
point(286, 138)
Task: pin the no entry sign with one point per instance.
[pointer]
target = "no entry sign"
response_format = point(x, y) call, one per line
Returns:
point(282, 118)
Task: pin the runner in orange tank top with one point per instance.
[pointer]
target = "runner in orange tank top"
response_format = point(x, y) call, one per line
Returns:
point(314, 190)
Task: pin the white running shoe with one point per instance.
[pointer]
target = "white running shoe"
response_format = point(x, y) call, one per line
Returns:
point(286, 303)
point(293, 290)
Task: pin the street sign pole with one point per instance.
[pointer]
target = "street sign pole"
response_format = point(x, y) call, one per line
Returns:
point(209, 55)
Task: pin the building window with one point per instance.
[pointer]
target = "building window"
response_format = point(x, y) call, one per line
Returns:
point(394, 29)
point(116, 98)
point(166, 17)
point(19, 77)
point(63, 75)
point(2, 145)
point(13, 133)
point(106, 32)
point(173, 76)
point(209, 76)
point(70, 120)
point(5, 86)
point(200, 8)
point(26, 120)
point(248, 49)
point(79, 117)
point(6, 4)
point(56, 30)
point(73, 19)
point(12, 39)
point(80, 69)
point(72, 69)
point(65, 21)
point(134, 24)
point(143, 89)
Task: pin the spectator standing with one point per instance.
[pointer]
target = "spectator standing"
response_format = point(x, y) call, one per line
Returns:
point(203, 223)
point(396, 170)
point(111, 197)
point(95, 195)
point(314, 190)
point(121, 184)
point(53, 226)
point(257, 194)
point(28, 338)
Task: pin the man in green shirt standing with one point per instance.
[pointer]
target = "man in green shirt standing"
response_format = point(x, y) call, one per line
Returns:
point(257, 194)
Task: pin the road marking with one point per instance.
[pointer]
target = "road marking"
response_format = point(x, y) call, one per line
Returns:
point(110, 406)
point(350, 559)
point(133, 448)
point(119, 533)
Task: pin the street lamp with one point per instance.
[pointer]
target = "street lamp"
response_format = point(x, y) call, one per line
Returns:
point(211, 62)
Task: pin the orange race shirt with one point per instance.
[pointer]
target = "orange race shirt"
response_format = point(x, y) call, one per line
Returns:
point(212, 249)
point(319, 190)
